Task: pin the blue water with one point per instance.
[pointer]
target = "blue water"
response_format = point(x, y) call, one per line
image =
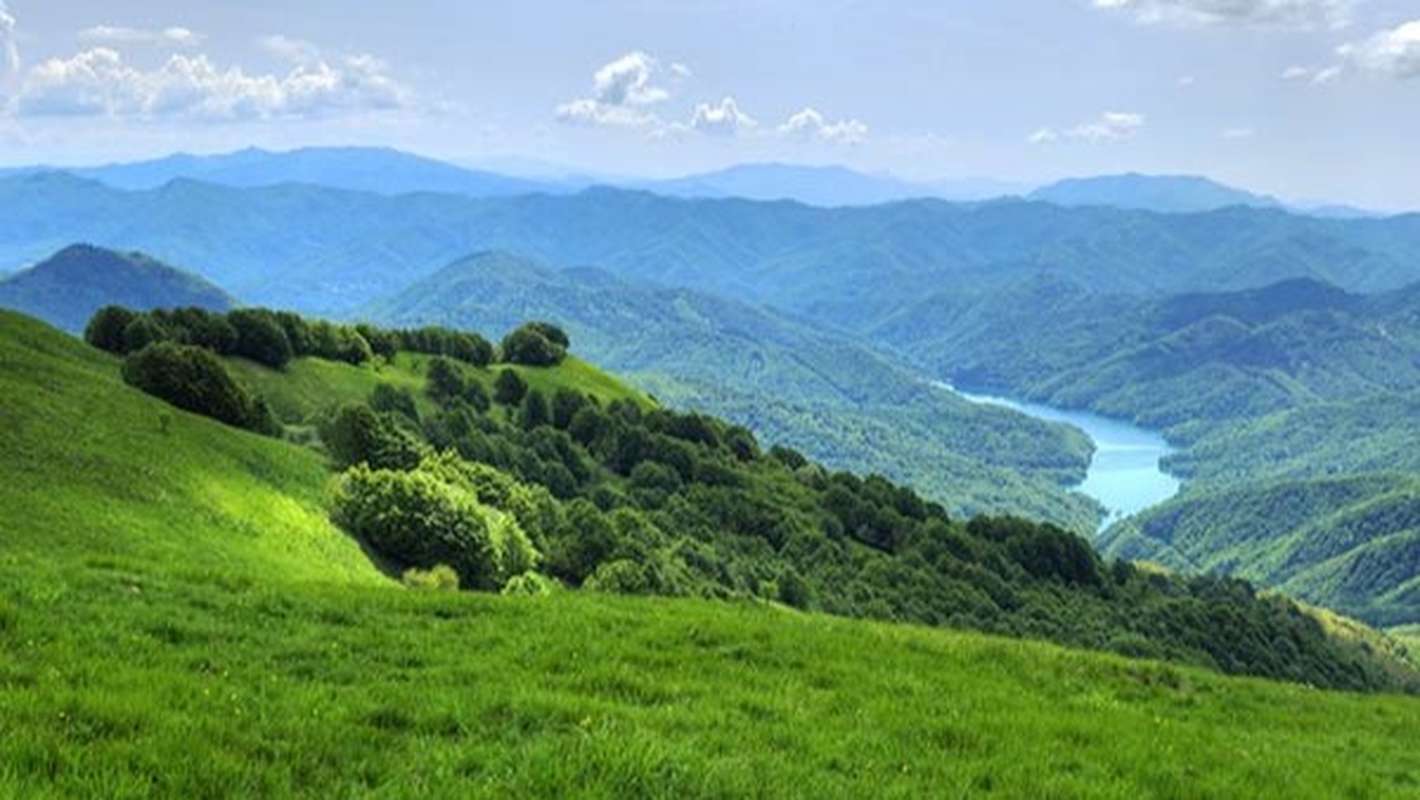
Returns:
point(1124, 475)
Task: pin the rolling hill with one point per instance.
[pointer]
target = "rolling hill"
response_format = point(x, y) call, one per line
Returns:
point(69, 286)
point(1184, 363)
point(793, 384)
point(216, 574)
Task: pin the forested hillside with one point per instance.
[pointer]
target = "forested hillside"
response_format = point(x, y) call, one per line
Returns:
point(530, 483)
point(793, 384)
point(1184, 363)
point(69, 286)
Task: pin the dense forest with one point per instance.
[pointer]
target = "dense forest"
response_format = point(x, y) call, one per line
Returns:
point(489, 479)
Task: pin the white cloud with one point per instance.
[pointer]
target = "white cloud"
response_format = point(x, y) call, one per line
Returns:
point(1186, 81)
point(588, 111)
point(1393, 53)
point(1238, 133)
point(1301, 14)
point(115, 35)
point(721, 119)
point(810, 124)
point(1314, 75)
point(99, 82)
point(621, 91)
point(9, 49)
point(286, 48)
point(1111, 126)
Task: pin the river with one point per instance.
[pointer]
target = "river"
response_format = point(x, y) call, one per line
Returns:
point(1124, 475)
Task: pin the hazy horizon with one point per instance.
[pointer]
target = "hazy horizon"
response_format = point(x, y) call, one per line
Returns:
point(1309, 100)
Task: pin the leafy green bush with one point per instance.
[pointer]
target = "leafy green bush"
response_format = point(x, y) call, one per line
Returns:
point(528, 584)
point(530, 345)
point(260, 337)
point(439, 578)
point(106, 328)
point(192, 379)
point(387, 398)
point(509, 388)
point(415, 519)
point(355, 434)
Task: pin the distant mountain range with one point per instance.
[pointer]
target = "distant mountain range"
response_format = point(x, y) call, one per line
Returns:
point(1165, 193)
point(391, 172)
point(380, 170)
point(333, 251)
point(67, 288)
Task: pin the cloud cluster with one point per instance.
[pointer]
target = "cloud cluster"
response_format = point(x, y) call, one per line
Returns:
point(99, 81)
point(1393, 53)
point(621, 92)
point(118, 35)
point(809, 124)
point(626, 91)
point(1111, 126)
point(721, 119)
point(1301, 14)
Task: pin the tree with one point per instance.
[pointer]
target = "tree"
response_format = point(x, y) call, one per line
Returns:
point(565, 405)
point(509, 388)
point(552, 333)
point(528, 345)
point(106, 327)
point(260, 337)
point(418, 520)
point(356, 434)
point(534, 411)
point(141, 332)
point(390, 399)
point(446, 380)
point(192, 379)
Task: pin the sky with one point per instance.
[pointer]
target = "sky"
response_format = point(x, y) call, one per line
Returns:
point(1307, 99)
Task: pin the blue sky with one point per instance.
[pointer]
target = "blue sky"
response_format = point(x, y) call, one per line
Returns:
point(1304, 98)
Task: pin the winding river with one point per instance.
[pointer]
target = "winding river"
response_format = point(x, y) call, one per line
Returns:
point(1124, 475)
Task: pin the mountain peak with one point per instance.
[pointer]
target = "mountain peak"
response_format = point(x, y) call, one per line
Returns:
point(1162, 193)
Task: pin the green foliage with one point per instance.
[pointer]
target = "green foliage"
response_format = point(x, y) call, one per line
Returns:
point(193, 379)
point(232, 599)
point(386, 398)
point(142, 331)
point(534, 410)
point(106, 329)
point(260, 337)
point(357, 434)
point(417, 520)
point(509, 388)
point(535, 345)
point(439, 578)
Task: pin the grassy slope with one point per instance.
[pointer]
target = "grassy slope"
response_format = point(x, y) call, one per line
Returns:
point(218, 637)
point(309, 385)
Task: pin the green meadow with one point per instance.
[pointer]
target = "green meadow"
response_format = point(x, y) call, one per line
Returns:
point(179, 618)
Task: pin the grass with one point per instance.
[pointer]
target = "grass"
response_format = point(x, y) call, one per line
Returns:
point(178, 619)
point(310, 385)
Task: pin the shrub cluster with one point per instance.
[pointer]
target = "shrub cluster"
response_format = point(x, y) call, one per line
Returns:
point(427, 517)
point(192, 379)
point(274, 338)
point(535, 344)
